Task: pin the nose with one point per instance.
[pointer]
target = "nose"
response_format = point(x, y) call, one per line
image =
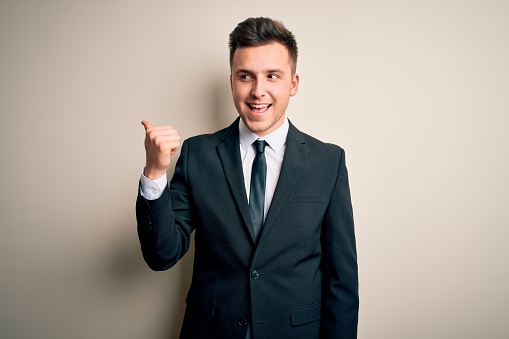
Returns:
point(258, 90)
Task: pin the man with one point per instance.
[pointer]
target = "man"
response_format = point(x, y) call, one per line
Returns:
point(275, 253)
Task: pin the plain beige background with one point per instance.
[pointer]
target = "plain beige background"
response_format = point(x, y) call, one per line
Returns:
point(417, 92)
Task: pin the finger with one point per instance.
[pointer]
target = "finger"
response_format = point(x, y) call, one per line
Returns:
point(168, 147)
point(159, 134)
point(175, 147)
point(146, 124)
point(162, 139)
point(163, 129)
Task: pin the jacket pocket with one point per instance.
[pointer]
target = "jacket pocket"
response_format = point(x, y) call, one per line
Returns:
point(202, 303)
point(309, 198)
point(301, 315)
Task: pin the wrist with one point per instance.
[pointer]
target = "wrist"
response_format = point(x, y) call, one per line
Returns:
point(153, 174)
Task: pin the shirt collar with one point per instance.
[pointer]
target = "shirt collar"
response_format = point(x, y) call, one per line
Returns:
point(276, 139)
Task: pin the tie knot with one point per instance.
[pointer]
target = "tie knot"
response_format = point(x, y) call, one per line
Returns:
point(260, 145)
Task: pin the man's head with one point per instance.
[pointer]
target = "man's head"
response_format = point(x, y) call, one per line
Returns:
point(254, 32)
point(263, 56)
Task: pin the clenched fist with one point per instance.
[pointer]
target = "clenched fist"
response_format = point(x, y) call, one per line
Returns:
point(160, 143)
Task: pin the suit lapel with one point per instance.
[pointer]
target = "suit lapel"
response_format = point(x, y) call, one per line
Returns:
point(295, 154)
point(229, 153)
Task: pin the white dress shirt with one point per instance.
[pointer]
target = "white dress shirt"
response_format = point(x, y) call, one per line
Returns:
point(274, 154)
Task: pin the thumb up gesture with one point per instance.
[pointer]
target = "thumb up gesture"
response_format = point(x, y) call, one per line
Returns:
point(161, 142)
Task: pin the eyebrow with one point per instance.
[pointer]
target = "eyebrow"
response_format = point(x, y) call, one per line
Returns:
point(275, 70)
point(242, 71)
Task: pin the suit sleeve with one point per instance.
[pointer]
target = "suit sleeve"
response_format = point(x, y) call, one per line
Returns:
point(340, 277)
point(164, 224)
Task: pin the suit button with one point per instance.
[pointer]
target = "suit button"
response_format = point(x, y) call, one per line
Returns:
point(255, 274)
point(242, 322)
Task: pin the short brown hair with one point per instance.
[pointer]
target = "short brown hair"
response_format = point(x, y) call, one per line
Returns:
point(261, 31)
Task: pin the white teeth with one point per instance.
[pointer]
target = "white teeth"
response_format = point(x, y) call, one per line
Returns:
point(260, 106)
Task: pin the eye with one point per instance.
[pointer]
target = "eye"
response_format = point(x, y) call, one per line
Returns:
point(245, 77)
point(273, 76)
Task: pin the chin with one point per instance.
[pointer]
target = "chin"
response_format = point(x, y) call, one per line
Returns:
point(255, 126)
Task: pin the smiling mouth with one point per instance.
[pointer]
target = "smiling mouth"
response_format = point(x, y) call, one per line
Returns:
point(259, 108)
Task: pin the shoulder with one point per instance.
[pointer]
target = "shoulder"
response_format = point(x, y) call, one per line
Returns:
point(212, 139)
point(314, 144)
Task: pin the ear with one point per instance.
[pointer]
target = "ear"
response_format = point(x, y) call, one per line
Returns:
point(231, 82)
point(295, 85)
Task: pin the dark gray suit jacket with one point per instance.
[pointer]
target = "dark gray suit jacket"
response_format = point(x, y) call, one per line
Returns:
point(298, 281)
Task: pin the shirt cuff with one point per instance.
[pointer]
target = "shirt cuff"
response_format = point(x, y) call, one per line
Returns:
point(152, 189)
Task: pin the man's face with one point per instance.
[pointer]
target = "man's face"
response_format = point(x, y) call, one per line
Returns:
point(262, 83)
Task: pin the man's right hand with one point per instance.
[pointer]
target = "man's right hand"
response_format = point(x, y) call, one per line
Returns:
point(160, 143)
